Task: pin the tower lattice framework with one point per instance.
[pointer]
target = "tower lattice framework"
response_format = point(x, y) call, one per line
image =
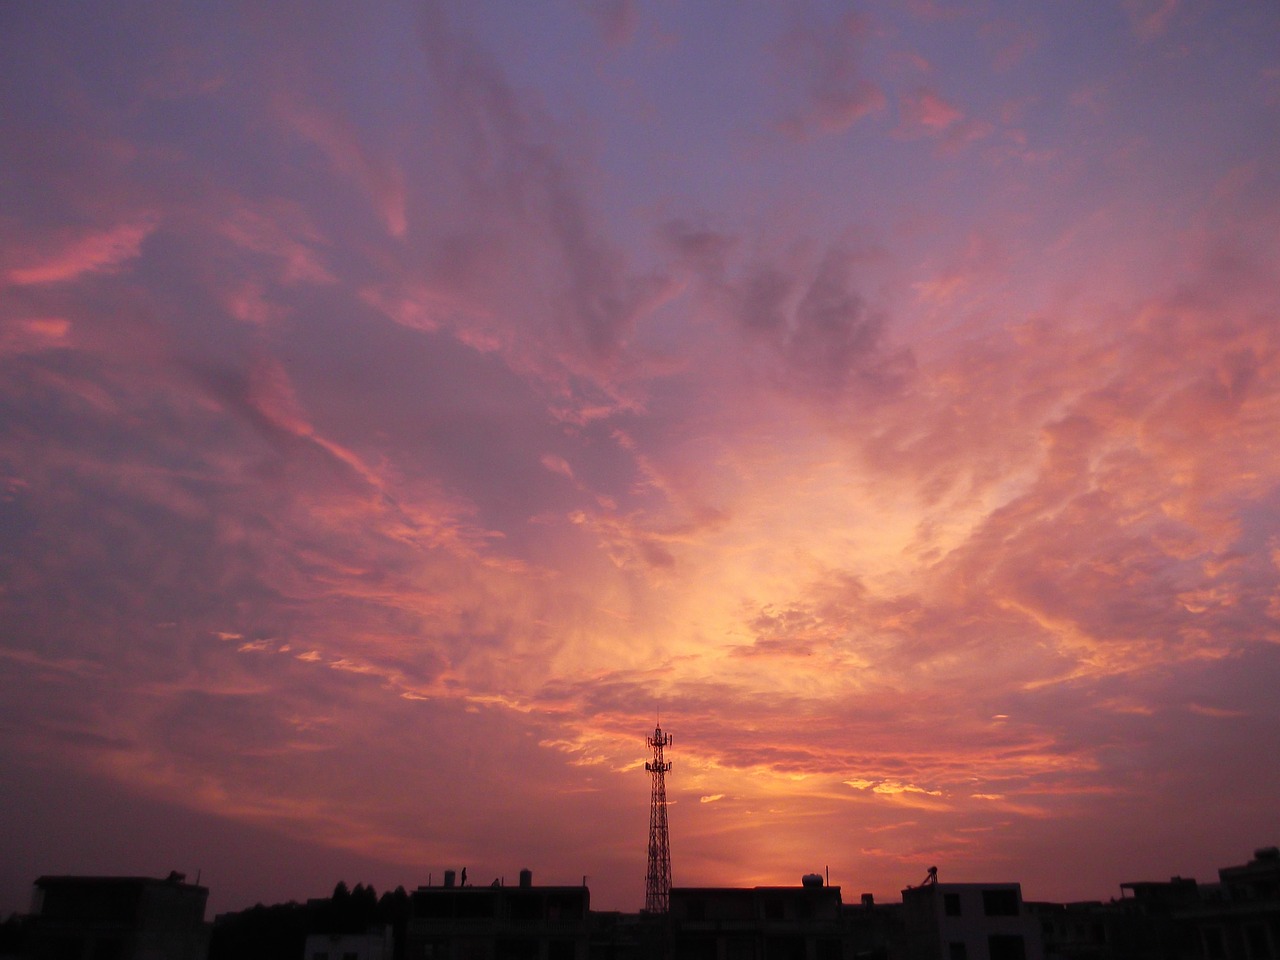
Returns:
point(657, 884)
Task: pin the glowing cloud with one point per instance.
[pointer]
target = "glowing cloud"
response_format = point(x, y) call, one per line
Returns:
point(397, 412)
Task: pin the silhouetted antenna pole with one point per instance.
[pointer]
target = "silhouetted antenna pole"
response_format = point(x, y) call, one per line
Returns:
point(657, 885)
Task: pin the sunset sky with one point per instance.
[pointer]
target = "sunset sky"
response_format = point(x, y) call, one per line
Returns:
point(403, 405)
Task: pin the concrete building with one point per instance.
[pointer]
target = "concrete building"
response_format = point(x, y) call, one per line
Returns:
point(872, 931)
point(1240, 917)
point(757, 923)
point(1237, 918)
point(499, 922)
point(374, 945)
point(1154, 922)
point(1084, 930)
point(118, 918)
point(969, 921)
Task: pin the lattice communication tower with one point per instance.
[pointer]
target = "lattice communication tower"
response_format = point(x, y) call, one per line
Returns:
point(657, 884)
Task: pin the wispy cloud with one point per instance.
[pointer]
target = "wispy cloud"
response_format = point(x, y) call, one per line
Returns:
point(836, 90)
point(92, 252)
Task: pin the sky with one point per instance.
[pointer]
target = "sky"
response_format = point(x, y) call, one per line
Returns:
point(405, 407)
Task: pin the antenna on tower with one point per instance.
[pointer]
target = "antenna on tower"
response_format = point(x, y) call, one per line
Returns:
point(657, 884)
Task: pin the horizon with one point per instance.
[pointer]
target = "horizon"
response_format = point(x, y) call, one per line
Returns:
point(438, 881)
point(401, 408)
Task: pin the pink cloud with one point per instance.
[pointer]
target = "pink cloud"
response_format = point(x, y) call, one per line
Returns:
point(101, 251)
point(34, 334)
point(837, 93)
point(1150, 18)
point(616, 19)
point(1013, 43)
point(924, 112)
point(342, 146)
point(557, 464)
point(281, 232)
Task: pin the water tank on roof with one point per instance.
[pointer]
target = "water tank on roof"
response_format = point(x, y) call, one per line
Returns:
point(811, 880)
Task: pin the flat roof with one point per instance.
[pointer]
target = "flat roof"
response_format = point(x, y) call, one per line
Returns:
point(51, 879)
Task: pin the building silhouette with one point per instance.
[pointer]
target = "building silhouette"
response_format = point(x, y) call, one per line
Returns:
point(969, 921)
point(118, 918)
point(140, 918)
point(757, 923)
point(497, 922)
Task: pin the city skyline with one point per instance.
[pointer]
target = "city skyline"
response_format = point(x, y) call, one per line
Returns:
point(401, 406)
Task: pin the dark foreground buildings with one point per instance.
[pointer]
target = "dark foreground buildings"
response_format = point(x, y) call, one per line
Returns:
point(737, 923)
point(499, 922)
point(968, 921)
point(1236, 918)
point(118, 918)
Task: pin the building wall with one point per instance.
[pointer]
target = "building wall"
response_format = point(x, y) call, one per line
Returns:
point(756, 923)
point(349, 946)
point(119, 918)
point(499, 923)
point(969, 921)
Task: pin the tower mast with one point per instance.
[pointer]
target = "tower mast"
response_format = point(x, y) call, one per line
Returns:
point(657, 885)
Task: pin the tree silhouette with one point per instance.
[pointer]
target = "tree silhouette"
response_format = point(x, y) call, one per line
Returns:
point(270, 933)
